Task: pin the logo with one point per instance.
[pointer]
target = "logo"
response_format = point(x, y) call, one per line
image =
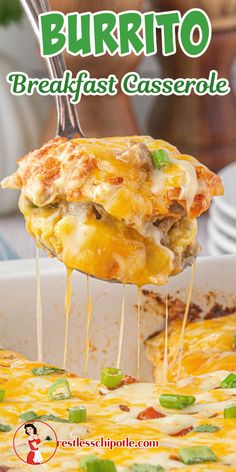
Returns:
point(35, 442)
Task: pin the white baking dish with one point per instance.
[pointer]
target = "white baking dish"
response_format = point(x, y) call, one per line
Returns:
point(17, 312)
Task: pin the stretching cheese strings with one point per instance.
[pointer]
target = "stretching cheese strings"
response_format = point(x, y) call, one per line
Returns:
point(67, 312)
point(39, 312)
point(181, 338)
point(165, 359)
point(138, 330)
point(121, 335)
point(88, 317)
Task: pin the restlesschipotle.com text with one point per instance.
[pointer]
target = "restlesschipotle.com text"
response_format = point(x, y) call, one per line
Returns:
point(108, 443)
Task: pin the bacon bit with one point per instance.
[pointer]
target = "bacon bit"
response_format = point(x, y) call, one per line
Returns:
point(124, 408)
point(150, 414)
point(183, 432)
point(116, 180)
point(174, 458)
point(174, 193)
point(200, 204)
point(128, 380)
point(213, 181)
point(125, 381)
point(73, 376)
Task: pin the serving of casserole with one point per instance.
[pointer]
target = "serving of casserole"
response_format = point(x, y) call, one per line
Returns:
point(116, 208)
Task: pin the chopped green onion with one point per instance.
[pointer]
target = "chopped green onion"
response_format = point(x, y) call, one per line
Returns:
point(160, 158)
point(77, 414)
point(146, 468)
point(2, 395)
point(107, 466)
point(31, 415)
point(59, 390)
point(47, 370)
point(4, 428)
point(84, 461)
point(177, 402)
point(229, 381)
point(205, 428)
point(111, 377)
point(230, 412)
point(197, 454)
point(52, 418)
point(94, 464)
point(28, 415)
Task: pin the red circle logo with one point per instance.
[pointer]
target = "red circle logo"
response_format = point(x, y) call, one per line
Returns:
point(35, 442)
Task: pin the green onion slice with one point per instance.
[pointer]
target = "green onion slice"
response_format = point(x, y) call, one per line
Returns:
point(31, 415)
point(230, 412)
point(94, 464)
point(77, 414)
point(47, 370)
point(88, 458)
point(160, 158)
point(28, 415)
point(108, 466)
point(146, 468)
point(5, 428)
point(59, 390)
point(2, 395)
point(197, 454)
point(52, 418)
point(111, 377)
point(229, 381)
point(205, 428)
point(177, 402)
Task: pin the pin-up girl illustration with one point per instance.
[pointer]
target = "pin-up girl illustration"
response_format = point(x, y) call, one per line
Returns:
point(34, 456)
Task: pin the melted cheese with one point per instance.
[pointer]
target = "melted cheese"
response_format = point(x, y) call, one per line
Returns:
point(165, 358)
point(88, 317)
point(121, 334)
point(186, 312)
point(67, 313)
point(26, 392)
point(39, 312)
point(98, 205)
point(208, 347)
point(139, 293)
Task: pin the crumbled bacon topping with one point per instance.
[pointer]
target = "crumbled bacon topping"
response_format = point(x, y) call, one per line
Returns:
point(150, 414)
point(127, 379)
point(73, 376)
point(124, 408)
point(173, 457)
point(183, 432)
point(116, 180)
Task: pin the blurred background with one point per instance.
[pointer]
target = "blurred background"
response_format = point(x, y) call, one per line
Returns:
point(202, 126)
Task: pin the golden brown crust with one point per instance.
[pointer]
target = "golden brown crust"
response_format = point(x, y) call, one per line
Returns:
point(93, 170)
